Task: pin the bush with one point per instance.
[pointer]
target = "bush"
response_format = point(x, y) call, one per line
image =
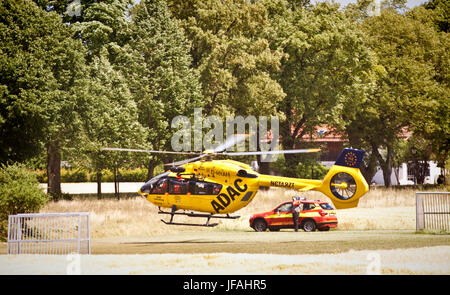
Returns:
point(81, 175)
point(19, 193)
point(127, 175)
point(41, 176)
point(308, 169)
point(135, 175)
point(74, 175)
point(317, 171)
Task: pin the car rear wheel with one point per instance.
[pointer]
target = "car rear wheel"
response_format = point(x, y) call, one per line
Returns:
point(259, 225)
point(309, 226)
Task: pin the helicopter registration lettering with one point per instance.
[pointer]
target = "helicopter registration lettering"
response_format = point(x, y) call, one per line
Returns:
point(285, 184)
point(223, 200)
point(219, 172)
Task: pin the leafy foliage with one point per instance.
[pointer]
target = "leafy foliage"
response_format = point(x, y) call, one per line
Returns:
point(323, 72)
point(406, 97)
point(116, 72)
point(307, 169)
point(230, 47)
point(157, 66)
point(19, 193)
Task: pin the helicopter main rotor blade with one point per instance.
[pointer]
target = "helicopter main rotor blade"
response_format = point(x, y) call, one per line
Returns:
point(148, 151)
point(186, 161)
point(231, 141)
point(301, 151)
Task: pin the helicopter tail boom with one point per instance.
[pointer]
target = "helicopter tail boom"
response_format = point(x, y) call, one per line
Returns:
point(344, 183)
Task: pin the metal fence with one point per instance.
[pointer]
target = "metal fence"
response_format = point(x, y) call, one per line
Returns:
point(49, 233)
point(433, 211)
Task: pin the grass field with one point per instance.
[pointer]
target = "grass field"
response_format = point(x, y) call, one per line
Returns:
point(380, 209)
point(128, 238)
point(229, 252)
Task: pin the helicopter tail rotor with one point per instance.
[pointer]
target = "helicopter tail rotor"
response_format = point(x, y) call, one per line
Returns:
point(344, 183)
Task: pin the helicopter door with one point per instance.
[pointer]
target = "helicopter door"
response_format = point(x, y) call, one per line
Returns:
point(207, 188)
point(178, 187)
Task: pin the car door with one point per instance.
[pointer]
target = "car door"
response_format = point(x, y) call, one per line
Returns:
point(307, 210)
point(283, 215)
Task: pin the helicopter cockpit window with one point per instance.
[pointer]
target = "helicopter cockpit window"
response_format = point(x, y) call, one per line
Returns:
point(160, 187)
point(147, 187)
point(207, 188)
point(178, 187)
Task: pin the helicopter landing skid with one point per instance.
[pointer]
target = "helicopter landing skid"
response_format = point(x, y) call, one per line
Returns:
point(192, 214)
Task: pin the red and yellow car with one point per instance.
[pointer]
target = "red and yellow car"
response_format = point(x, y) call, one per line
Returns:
point(313, 215)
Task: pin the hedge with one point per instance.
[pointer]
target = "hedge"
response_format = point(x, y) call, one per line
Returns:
point(81, 175)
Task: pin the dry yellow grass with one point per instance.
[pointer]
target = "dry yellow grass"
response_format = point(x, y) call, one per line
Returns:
point(379, 209)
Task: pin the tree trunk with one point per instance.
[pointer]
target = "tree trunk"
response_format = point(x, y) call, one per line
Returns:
point(387, 172)
point(386, 165)
point(420, 171)
point(288, 142)
point(264, 167)
point(369, 171)
point(151, 165)
point(116, 183)
point(53, 168)
point(99, 185)
point(396, 175)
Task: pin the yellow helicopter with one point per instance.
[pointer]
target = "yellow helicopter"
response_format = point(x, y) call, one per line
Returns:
point(203, 187)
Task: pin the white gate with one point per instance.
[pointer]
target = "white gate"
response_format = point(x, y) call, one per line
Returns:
point(433, 211)
point(49, 233)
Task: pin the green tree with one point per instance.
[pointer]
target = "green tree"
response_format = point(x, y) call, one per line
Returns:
point(441, 13)
point(23, 81)
point(230, 47)
point(435, 125)
point(113, 121)
point(325, 69)
point(103, 25)
point(157, 66)
point(230, 43)
point(405, 94)
point(44, 76)
point(104, 28)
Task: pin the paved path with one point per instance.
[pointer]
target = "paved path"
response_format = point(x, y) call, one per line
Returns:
point(91, 187)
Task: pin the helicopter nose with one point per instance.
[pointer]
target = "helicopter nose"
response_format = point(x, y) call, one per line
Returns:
point(142, 194)
point(145, 189)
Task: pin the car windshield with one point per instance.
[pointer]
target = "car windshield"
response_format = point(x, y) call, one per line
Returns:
point(326, 206)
